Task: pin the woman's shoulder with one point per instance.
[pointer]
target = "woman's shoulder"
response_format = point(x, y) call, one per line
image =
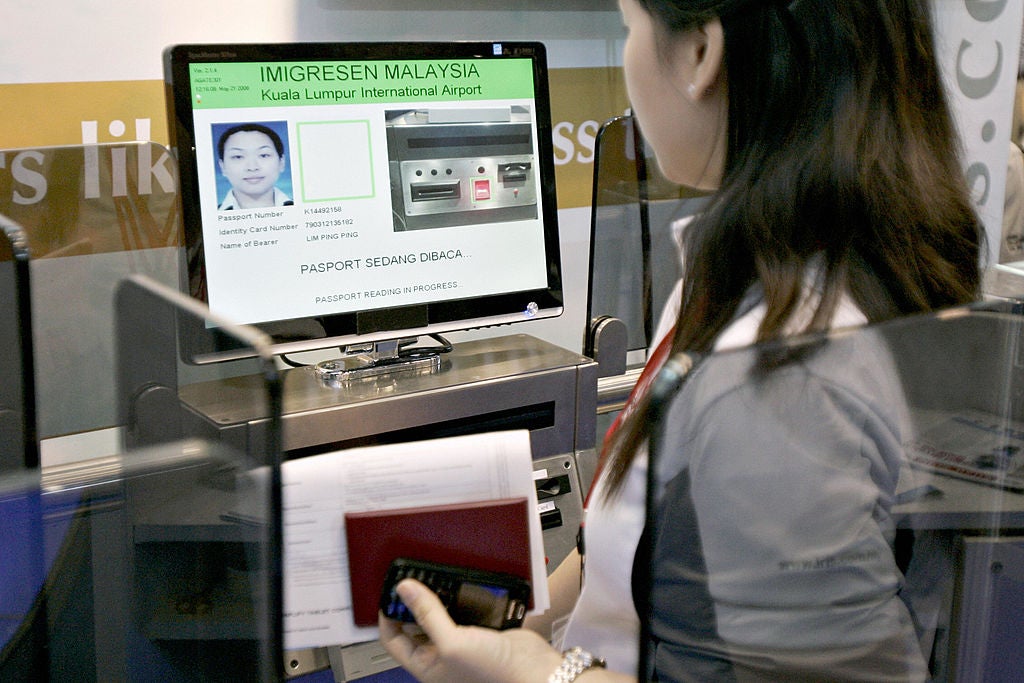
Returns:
point(742, 331)
point(853, 372)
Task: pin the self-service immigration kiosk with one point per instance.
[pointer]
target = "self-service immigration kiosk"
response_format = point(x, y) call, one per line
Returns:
point(510, 382)
point(356, 202)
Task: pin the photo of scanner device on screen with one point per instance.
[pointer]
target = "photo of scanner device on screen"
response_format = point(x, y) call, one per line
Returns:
point(461, 166)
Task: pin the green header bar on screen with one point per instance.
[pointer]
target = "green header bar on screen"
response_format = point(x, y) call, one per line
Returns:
point(260, 84)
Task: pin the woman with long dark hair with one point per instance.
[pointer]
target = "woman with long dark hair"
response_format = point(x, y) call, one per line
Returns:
point(823, 130)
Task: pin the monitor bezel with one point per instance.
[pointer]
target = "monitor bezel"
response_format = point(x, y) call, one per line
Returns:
point(374, 324)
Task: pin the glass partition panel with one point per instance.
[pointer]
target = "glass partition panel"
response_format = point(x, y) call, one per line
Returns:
point(845, 507)
point(634, 262)
point(616, 275)
point(91, 215)
point(162, 562)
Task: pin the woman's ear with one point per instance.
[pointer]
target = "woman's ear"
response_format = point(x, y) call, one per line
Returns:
point(702, 53)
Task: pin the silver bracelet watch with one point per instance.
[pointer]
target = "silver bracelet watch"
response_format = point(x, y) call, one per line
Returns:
point(574, 662)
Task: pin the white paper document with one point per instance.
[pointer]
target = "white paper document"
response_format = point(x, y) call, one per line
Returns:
point(319, 490)
point(973, 445)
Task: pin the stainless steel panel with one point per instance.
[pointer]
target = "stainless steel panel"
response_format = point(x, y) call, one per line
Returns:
point(477, 378)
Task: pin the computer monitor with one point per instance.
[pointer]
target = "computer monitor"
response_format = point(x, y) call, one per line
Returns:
point(338, 194)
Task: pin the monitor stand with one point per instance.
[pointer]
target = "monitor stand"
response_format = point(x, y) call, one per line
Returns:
point(377, 359)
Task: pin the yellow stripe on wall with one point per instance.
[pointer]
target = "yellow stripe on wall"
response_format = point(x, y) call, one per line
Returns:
point(581, 100)
point(49, 114)
point(36, 115)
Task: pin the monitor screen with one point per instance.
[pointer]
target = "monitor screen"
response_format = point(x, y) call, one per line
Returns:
point(341, 193)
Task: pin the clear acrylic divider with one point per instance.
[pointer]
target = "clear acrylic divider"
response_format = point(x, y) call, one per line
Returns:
point(161, 562)
point(634, 262)
point(91, 215)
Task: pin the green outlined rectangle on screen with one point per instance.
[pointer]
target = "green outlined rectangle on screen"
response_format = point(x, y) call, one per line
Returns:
point(335, 160)
point(259, 84)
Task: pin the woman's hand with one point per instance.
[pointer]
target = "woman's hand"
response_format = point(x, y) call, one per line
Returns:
point(439, 650)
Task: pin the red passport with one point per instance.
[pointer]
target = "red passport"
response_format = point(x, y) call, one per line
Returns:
point(493, 535)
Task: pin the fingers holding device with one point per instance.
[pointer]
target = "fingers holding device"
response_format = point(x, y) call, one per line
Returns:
point(472, 597)
point(436, 649)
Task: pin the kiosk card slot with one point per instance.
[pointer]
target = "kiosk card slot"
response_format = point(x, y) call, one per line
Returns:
point(513, 174)
point(426, 192)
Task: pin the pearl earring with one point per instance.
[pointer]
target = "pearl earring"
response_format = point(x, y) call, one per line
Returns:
point(691, 90)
